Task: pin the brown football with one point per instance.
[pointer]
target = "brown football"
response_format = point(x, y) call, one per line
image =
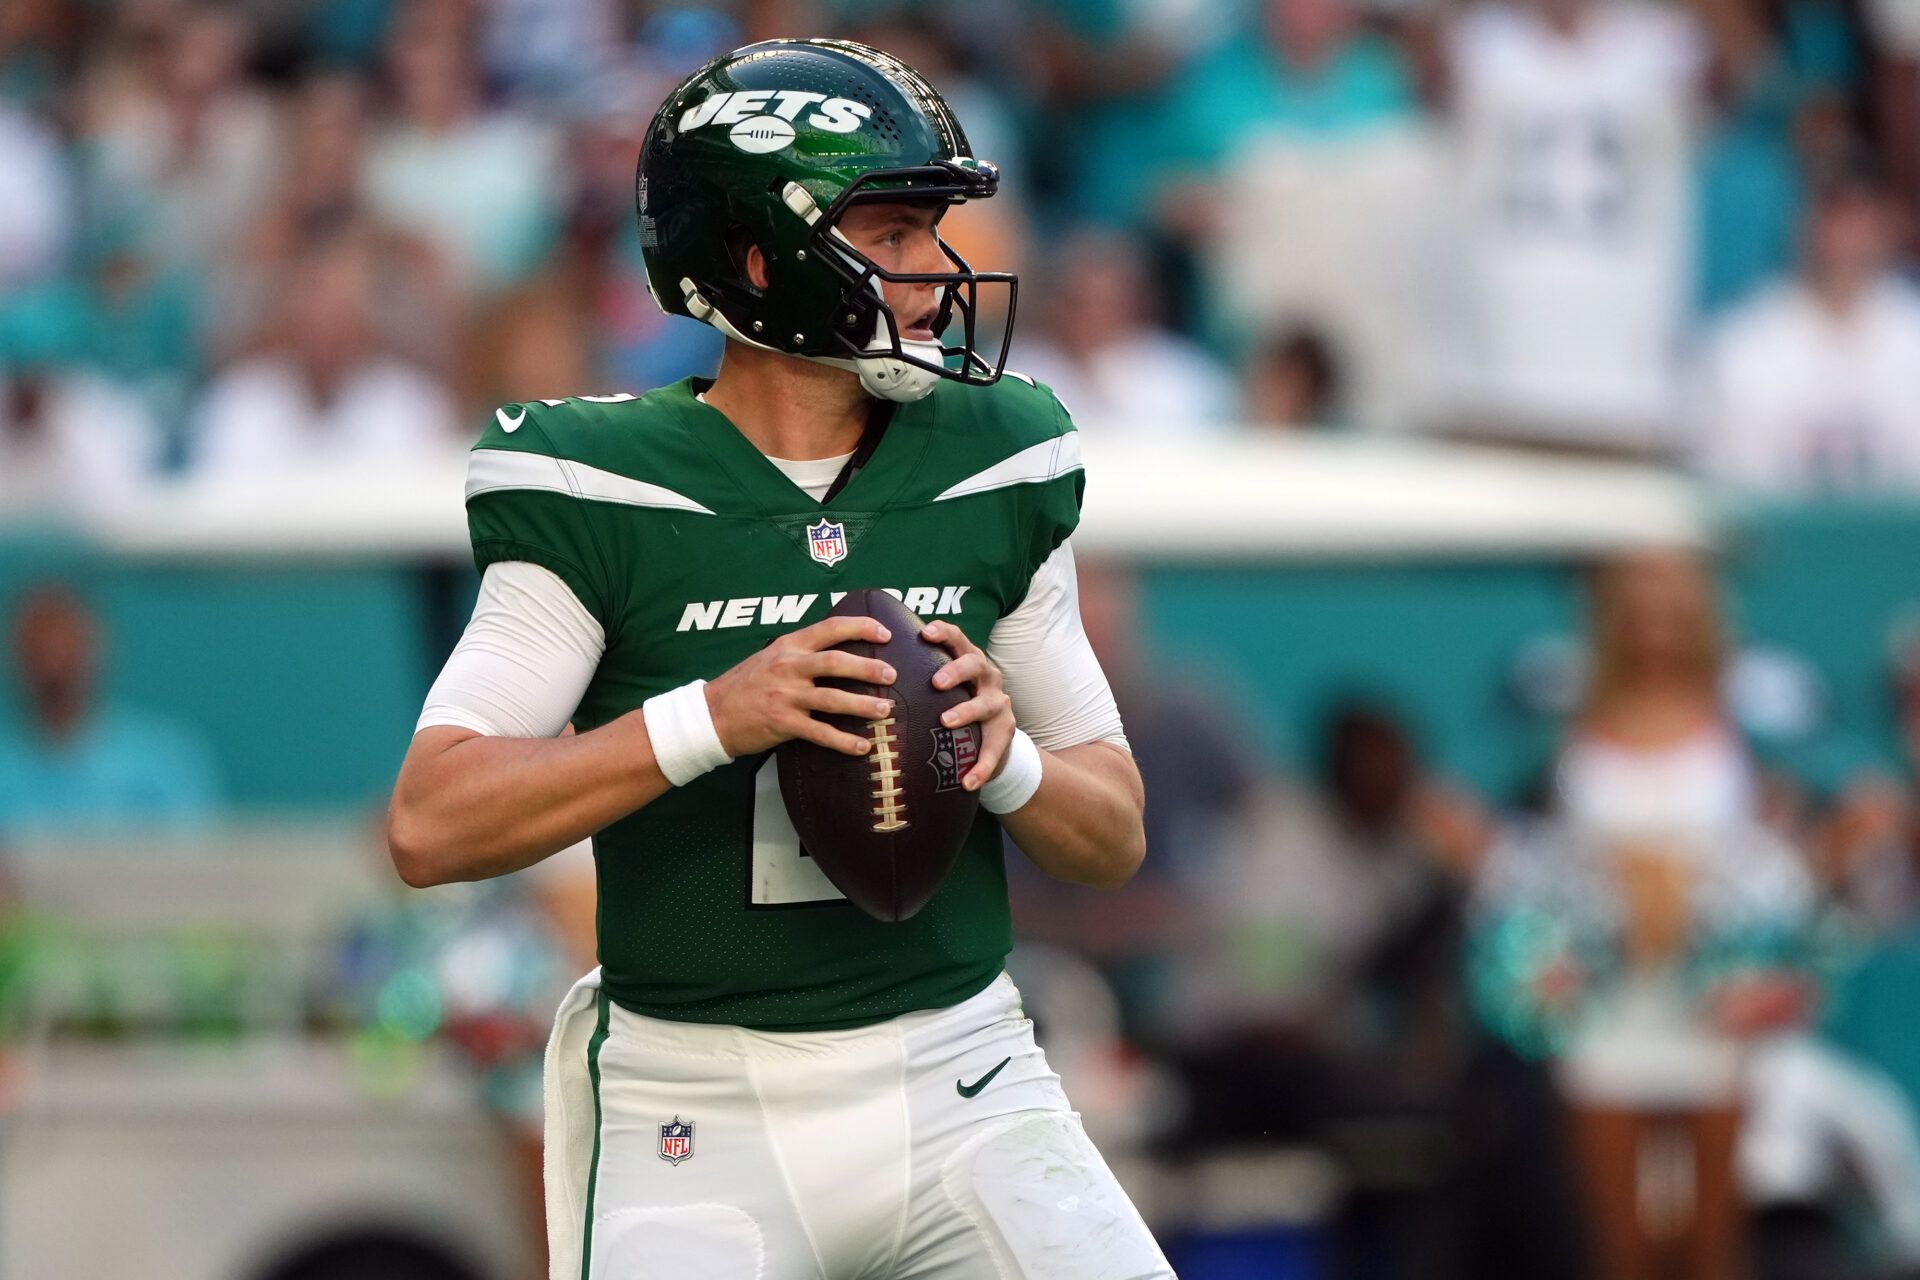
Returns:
point(885, 827)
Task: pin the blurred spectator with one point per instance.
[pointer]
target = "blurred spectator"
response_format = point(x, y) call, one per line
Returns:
point(73, 765)
point(586, 322)
point(1106, 356)
point(321, 199)
point(37, 215)
point(483, 185)
point(1305, 179)
point(1196, 762)
point(1655, 927)
point(1103, 67)
point(1749, 182)
point(1331, 912)
point(325, 390)
point(40, 46)
point(1895, 28)
point(1310, 71)
point(1571, 118)
point(1869, 849)
point(71, 441)
point(492, 961)
point(1324, 1006)
point(553, 51)
point(1293, 381)
point(143, 326)
point(181, 145)
point(1807, 388)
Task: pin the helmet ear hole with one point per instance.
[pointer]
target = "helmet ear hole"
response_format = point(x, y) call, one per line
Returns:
point(740, 244)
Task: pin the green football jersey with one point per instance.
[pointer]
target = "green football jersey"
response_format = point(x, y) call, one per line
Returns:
point(693, 551)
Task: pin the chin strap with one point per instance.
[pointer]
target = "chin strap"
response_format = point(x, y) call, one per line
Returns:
point(882, 374)
point(886, 376)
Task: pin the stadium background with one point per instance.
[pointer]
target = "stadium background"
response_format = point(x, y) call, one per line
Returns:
point(1513, 909)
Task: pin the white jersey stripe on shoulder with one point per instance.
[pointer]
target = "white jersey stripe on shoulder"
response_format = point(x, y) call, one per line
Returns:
point(1032, 465)
point(489, 470)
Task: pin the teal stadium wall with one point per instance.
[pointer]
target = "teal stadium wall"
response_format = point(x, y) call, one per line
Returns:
point(307, 678)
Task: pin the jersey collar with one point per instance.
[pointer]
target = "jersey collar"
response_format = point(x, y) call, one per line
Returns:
point(894, 460)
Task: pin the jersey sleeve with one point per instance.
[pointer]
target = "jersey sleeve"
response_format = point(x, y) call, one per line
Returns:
point(523, 504)
point(1054, 496)
point(1060, 694)
point(524, 661)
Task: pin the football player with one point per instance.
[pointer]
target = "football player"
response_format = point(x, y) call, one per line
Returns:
point(760, 1080)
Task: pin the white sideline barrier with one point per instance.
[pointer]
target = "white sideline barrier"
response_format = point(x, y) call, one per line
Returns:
point(1261, 497)
point(181, 1158)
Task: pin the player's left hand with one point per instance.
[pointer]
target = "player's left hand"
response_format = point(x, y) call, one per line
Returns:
point(990, 707)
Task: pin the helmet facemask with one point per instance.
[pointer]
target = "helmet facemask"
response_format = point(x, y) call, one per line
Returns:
point(861, 331)
point(891, 365)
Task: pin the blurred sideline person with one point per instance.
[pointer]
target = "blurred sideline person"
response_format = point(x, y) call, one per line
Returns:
point(180, 140)
point(1572, 120)
point(1294, 382)
point(1656, 778)
point(1304, 180)
point(1107, 357)
point(72, 442)
point(325, 392)
point(321, 200)
point(37, 217)
point(1323, 1005)
point(480, 183)
point(1195, 761)
point(1652, 936)
point(494, 959)
point(1808, 388)
point(760, 1079)
point(74, 766)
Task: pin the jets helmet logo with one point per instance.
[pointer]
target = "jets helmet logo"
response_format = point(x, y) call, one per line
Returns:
point(762, 120)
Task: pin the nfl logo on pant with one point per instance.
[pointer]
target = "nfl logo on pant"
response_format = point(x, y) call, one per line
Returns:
point(676, 1140)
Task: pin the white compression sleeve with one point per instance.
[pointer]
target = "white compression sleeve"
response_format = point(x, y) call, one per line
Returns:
point(1060, 694)
point(524, 660)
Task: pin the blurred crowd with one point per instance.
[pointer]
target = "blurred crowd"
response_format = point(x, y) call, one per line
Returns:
point(240, 237)
point(1650, 1016)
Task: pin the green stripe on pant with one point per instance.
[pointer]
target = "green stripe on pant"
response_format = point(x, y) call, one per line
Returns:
point(593, 1169)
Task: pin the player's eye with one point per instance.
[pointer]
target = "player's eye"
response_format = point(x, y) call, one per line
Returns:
point(892, 239)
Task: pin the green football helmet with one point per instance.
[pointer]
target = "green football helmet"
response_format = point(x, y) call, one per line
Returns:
point(769, 146)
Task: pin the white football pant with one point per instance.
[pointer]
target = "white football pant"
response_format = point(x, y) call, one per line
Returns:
point(935, 1146)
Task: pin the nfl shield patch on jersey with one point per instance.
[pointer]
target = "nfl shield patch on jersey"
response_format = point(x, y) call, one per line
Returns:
point(676, 1140)
point(827, 541)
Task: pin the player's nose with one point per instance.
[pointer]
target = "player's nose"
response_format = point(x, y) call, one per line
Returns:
point(925, 255)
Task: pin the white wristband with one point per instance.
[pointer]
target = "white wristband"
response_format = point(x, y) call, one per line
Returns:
point(1018, 780)
point(680, 726)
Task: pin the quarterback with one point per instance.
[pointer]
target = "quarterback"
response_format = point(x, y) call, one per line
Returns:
point(761, 1080)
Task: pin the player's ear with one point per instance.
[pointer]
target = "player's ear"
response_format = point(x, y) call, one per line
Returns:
point(756, 267)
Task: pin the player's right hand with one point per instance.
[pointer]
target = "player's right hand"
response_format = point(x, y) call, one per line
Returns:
point(771, 696)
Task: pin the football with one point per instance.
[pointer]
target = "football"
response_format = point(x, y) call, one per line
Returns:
point(885, 827)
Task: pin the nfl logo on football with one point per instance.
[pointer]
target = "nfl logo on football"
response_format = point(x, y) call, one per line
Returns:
point(676, 1140)
point(827, 541)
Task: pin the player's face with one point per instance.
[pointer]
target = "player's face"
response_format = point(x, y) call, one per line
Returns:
point(901, 237)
